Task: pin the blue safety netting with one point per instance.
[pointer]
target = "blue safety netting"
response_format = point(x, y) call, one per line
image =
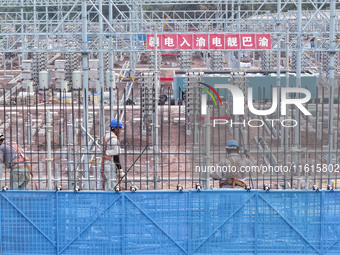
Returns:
point(170, 222)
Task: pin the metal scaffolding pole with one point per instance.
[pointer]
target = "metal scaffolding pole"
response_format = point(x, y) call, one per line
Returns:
point(111, 63)
point(155, 122)
point(23, 54)
point(206, 176)
point(239, 30)
point(285, 134)
point(35, 26)
point(49, 151)
point(297, 134)
point(331, 83)
point(101, 74)
point(85, 90)
point(32, 26)
point(278, 68)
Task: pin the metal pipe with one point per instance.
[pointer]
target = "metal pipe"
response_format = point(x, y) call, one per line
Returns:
point(297, 134)
point(150, 152)
point(49, 151)
point(155, 122)
point(85, 87)
point(278, 68)
point(40, 167)
point(111, 63)
point(239, 30)
point(331, 82)
point(70, 168)
point(101, 75)
point(56, 175)
point(23, 54)
point(206, 177)
point(36, 34)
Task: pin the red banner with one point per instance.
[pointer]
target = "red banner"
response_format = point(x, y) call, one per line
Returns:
point(185, 42)
point(150, 42)
point(247, 41)
point(216, 41)
point(201, 41)
point(263, 42)
point(232, 42)
point(169, 42)
point(210, 41)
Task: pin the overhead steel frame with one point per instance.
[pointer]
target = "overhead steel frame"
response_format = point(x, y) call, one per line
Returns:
point(105, 25)
point(38, 25)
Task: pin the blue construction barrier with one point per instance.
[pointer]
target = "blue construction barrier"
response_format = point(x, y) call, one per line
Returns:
point(170, 222)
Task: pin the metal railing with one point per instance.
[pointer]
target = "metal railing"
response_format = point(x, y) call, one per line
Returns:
point(55, 145)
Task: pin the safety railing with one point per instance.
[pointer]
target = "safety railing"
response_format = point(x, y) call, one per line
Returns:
point(49, 125)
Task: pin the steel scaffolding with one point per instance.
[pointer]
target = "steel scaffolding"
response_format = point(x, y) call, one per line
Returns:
point(304, 35)
point(49, 26)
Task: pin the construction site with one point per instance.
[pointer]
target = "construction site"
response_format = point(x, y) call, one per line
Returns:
point(184, 78)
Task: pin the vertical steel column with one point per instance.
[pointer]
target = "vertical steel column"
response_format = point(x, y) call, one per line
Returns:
point(85, 89)
point(239, 30)
point(4, 63)
point(226, 16)
point(23, 55)
point(206, 178)
point(49, 150)
point(297, 137)
point(155, 122)
point(331, 82)
point(232, 55)
point(278, 69)
point(46, 31)
point(36, 36)
point(111, 61)
point(285, 136)
point(133, 38)
point(101, 73)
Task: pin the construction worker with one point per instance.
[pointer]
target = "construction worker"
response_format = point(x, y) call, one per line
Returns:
point(111, 166)
point(231, 176)
point(14, 158)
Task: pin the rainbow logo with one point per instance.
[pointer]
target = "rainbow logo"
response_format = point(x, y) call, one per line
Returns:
point(209, 93)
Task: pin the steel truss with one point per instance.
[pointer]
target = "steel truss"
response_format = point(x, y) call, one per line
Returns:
point(108, 26)
point(38, 25)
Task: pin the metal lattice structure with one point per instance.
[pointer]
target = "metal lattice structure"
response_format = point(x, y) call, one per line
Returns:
point(110, 37)
point(116, 24)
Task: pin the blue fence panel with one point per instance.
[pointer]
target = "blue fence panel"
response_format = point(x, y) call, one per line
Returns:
point(28, 223)
point(156, 223)
point(292, 220)
point(89, 223)
point(170, 222)
point(222, 222)
point(330, 238)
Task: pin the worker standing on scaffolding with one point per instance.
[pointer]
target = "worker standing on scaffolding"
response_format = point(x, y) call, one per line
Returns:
point(112, 170)
point(14, 158)
point(231, 176)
